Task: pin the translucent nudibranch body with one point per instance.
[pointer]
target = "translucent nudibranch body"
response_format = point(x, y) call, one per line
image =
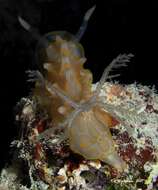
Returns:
point(64, 90)
point(67, 96)
point(64, 59)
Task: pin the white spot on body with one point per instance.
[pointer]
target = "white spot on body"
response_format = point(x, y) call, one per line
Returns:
point(62, 110)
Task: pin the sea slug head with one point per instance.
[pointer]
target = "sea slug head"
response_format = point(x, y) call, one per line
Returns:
point(56, 41)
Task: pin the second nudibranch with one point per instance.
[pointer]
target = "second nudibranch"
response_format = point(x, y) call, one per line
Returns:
point(67, 96)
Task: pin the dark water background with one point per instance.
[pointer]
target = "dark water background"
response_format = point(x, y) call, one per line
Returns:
point(117, 26)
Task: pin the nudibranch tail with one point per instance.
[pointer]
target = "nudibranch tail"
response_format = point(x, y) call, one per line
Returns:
point(115, 161)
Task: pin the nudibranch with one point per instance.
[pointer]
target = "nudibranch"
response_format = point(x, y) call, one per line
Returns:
point(64, 89)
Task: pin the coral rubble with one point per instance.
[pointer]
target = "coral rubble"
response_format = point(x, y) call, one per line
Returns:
point(49, 164)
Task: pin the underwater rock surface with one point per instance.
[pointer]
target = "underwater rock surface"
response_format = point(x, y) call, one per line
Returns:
point(49, 164)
